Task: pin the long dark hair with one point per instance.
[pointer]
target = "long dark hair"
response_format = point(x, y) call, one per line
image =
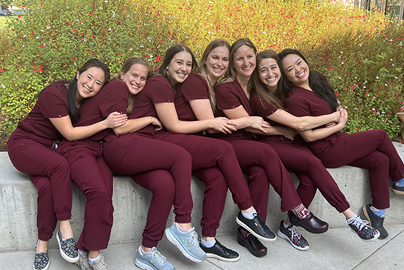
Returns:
point(257, 86)
point(126, 67)
point(317, 82)
point(202, 70)
point(72, 89)
point(170, 53)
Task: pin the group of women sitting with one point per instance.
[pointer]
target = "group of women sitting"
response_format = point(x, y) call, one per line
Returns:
point(236, 112)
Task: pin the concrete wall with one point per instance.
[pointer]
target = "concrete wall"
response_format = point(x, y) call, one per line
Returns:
point(18, 206)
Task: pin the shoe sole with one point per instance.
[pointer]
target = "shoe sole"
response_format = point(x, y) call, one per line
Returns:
point(214, 256)
point(46, 268)
point(241, 243)
point(64, 256)
point(398, 192)
point(283, 236)
point(242, 224)
point(143, 265)
point(171, 237)
point(368, 218)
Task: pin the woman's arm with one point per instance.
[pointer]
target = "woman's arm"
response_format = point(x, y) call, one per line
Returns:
point(203, 111)
point(317, 134)
point(240, 117)
point(169, 118)
point(304, 122)
point(133, 125)
point(71, 133)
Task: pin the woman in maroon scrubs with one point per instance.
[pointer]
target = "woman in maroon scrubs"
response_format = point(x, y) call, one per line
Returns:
point(232, 100)
point(31, 150)
point(214, 157)
point(308, 93)
point(266, 85)
point(163, 168)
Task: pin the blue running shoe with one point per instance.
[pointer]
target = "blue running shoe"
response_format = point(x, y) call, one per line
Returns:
point(186, 242)
point(152, 261)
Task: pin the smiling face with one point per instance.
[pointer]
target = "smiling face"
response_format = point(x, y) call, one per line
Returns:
point(89, 82)
point(269, 73)
point(217, 62)
point(135, 78)
point(244, 61)
point(296, 70)
point(180, 67)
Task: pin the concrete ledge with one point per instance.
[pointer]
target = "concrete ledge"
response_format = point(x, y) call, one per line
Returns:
point(18, 206)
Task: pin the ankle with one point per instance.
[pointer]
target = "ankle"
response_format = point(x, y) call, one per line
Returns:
point(42, 246)
point(65, 229)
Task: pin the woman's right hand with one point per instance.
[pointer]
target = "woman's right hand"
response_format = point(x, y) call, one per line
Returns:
point(116, 119)
point(258, 123)
point(223, 125)
point(156, 123)
point(343, 118)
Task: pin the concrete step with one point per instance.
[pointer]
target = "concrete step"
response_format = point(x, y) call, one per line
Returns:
point(339, 248)
point(18, 206)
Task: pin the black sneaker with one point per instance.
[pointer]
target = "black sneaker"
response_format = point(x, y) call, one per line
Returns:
point(256, 227)
point(375, 221)
point(398, 190)
point(220, 252)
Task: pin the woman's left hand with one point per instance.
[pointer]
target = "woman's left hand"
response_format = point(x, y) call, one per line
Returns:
point(116, 119)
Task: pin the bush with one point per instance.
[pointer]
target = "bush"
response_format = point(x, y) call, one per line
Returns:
point(49, 45)
point(360, 52)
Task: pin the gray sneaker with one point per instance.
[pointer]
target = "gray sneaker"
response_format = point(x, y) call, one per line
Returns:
point(186, 242)
point(152, 261)
point(83, 262)
point(99, 264)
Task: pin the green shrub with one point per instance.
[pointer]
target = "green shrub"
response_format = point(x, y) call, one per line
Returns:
point(360, 52)
point(56, 37)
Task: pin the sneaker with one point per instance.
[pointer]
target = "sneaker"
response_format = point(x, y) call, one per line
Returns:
point(220, 252)
point(293, 236)
point(398, 190)
point(152, 261)
point(67, 248)
point(83, 262)
point(362, 229)
point(375, 221)
point(41, 261)
point(256, 227)
point(186, 242)
point(99, 264)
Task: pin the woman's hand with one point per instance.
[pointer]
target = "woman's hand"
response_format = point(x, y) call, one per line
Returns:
point(258, 123)
point(289, 133)
point(115, 119)
point(156, 123)
point(223, 125)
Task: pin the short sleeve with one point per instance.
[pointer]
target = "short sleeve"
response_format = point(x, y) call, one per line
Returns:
point(52, 101)
point(261, 107)
point(297, 105)
point(195, 87)
point(160, 90)
point(226, 97)
point(114, 98)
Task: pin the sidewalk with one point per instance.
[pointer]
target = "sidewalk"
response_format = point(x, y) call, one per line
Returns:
point(338, 248)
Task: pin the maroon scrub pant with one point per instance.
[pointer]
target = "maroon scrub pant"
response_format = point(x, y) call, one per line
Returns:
point(311, 173)
point(372, 150)
point(50, 173)
point(215, 164)
point(93, 177)
point(162, 168)
point(250, 153)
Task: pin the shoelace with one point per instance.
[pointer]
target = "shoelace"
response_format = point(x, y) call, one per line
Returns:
point(193, 240)
point(359, 223)
point(157, 256)
point(259, 221)
point(292, 229)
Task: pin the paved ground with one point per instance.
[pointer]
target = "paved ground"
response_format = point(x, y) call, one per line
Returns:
point(339, 248)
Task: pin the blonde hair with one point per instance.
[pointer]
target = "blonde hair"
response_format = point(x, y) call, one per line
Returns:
point(202, 69)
